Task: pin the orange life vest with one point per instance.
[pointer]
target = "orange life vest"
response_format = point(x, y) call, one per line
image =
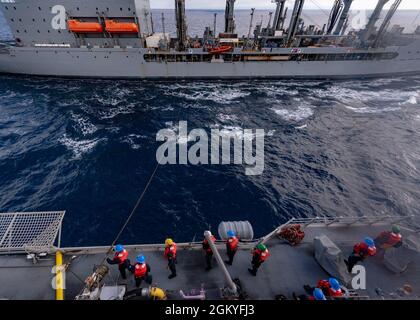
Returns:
point(389, 239)
point(324, 285)
point(121, 256)
point(170, 250)
point(233, 243)
point(335, 293)
point(140, 270)
point(262, 255)
point(206, 245)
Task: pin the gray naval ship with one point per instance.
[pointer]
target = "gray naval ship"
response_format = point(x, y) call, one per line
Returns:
point(116, 39)
point(34, 264)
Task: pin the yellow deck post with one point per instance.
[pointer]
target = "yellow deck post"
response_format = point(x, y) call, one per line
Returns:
point(59, 278)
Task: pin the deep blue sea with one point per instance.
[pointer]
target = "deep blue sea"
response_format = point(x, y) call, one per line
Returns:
point(88, 147)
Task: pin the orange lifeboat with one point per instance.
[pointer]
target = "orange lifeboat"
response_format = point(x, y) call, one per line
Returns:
point(113, 26)
point(219, 49)
point(84, 27)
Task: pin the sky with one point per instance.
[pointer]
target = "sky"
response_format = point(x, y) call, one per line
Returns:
point(266, 4)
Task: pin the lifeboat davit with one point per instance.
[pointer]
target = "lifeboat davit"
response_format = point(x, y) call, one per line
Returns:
point(219, 49)
point(113, 26)
point(84, 27)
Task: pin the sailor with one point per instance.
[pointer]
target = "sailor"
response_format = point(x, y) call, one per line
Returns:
point(259, 255)
point(120, 258)
point(330, 288)
point(334, 288)
point(170, 255)
point(208, 252)
point(361, 251)
point(389, 239)
point(141, 271)
point(231, 246)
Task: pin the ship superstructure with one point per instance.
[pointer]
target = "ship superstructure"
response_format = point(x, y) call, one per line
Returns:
point(117, 39)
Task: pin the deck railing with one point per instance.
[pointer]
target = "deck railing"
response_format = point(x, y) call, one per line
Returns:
point(30, 231)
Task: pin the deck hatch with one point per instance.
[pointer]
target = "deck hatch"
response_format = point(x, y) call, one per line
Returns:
point(29, 232)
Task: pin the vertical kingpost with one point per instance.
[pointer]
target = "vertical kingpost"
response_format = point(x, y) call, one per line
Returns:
point(294, 21)
point(335, 14)
point(230, 17)
point(385, 24)
point(370, 27)
point(278, 16)
point(181, 25)
point(343, 17)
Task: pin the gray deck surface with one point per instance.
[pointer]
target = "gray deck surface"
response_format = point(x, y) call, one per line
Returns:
point(286, 271)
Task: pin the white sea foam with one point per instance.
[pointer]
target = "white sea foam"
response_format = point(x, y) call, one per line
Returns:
point(210, 92)
point(116, 111)
point(83, 124)
point(227, 117)
point(372, 110)
point(302, 127)
point(295, 114)
point(79, 147)
point(133, 141)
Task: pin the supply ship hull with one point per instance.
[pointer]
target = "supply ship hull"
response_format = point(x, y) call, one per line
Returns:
point(130, 63)
point(46, 45)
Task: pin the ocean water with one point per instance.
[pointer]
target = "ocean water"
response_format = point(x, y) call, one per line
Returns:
point(88, 147)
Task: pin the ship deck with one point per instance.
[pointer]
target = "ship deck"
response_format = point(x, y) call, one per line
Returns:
point(286, 271)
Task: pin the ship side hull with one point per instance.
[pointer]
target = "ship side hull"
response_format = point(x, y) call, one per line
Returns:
point(129, 63)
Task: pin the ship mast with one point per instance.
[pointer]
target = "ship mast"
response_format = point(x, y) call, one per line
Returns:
point(181, 26)
point(278, 16)
point(370, 27)
point(385, 24)
point(229, 17)
point(335, 15)
point(294, 21)
point(343, 17)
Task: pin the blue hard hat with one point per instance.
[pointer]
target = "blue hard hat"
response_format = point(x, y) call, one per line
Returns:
point(369, 242)
point(318, 294)
point(231, 233)
point(141, 259)
point(334, 283)
point(119, 248)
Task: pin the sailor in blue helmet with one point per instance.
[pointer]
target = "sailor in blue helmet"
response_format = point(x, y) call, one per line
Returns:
point(361, 251)
point(231, 246)
point(120, 258)
point(141, 271)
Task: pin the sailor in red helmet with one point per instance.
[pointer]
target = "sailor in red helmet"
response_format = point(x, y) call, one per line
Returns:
point(231, 246)
point(208, 252)
point(120, 258)
point(361, 251)
point(141, 271)
point(259, 255)
point(389, 239)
